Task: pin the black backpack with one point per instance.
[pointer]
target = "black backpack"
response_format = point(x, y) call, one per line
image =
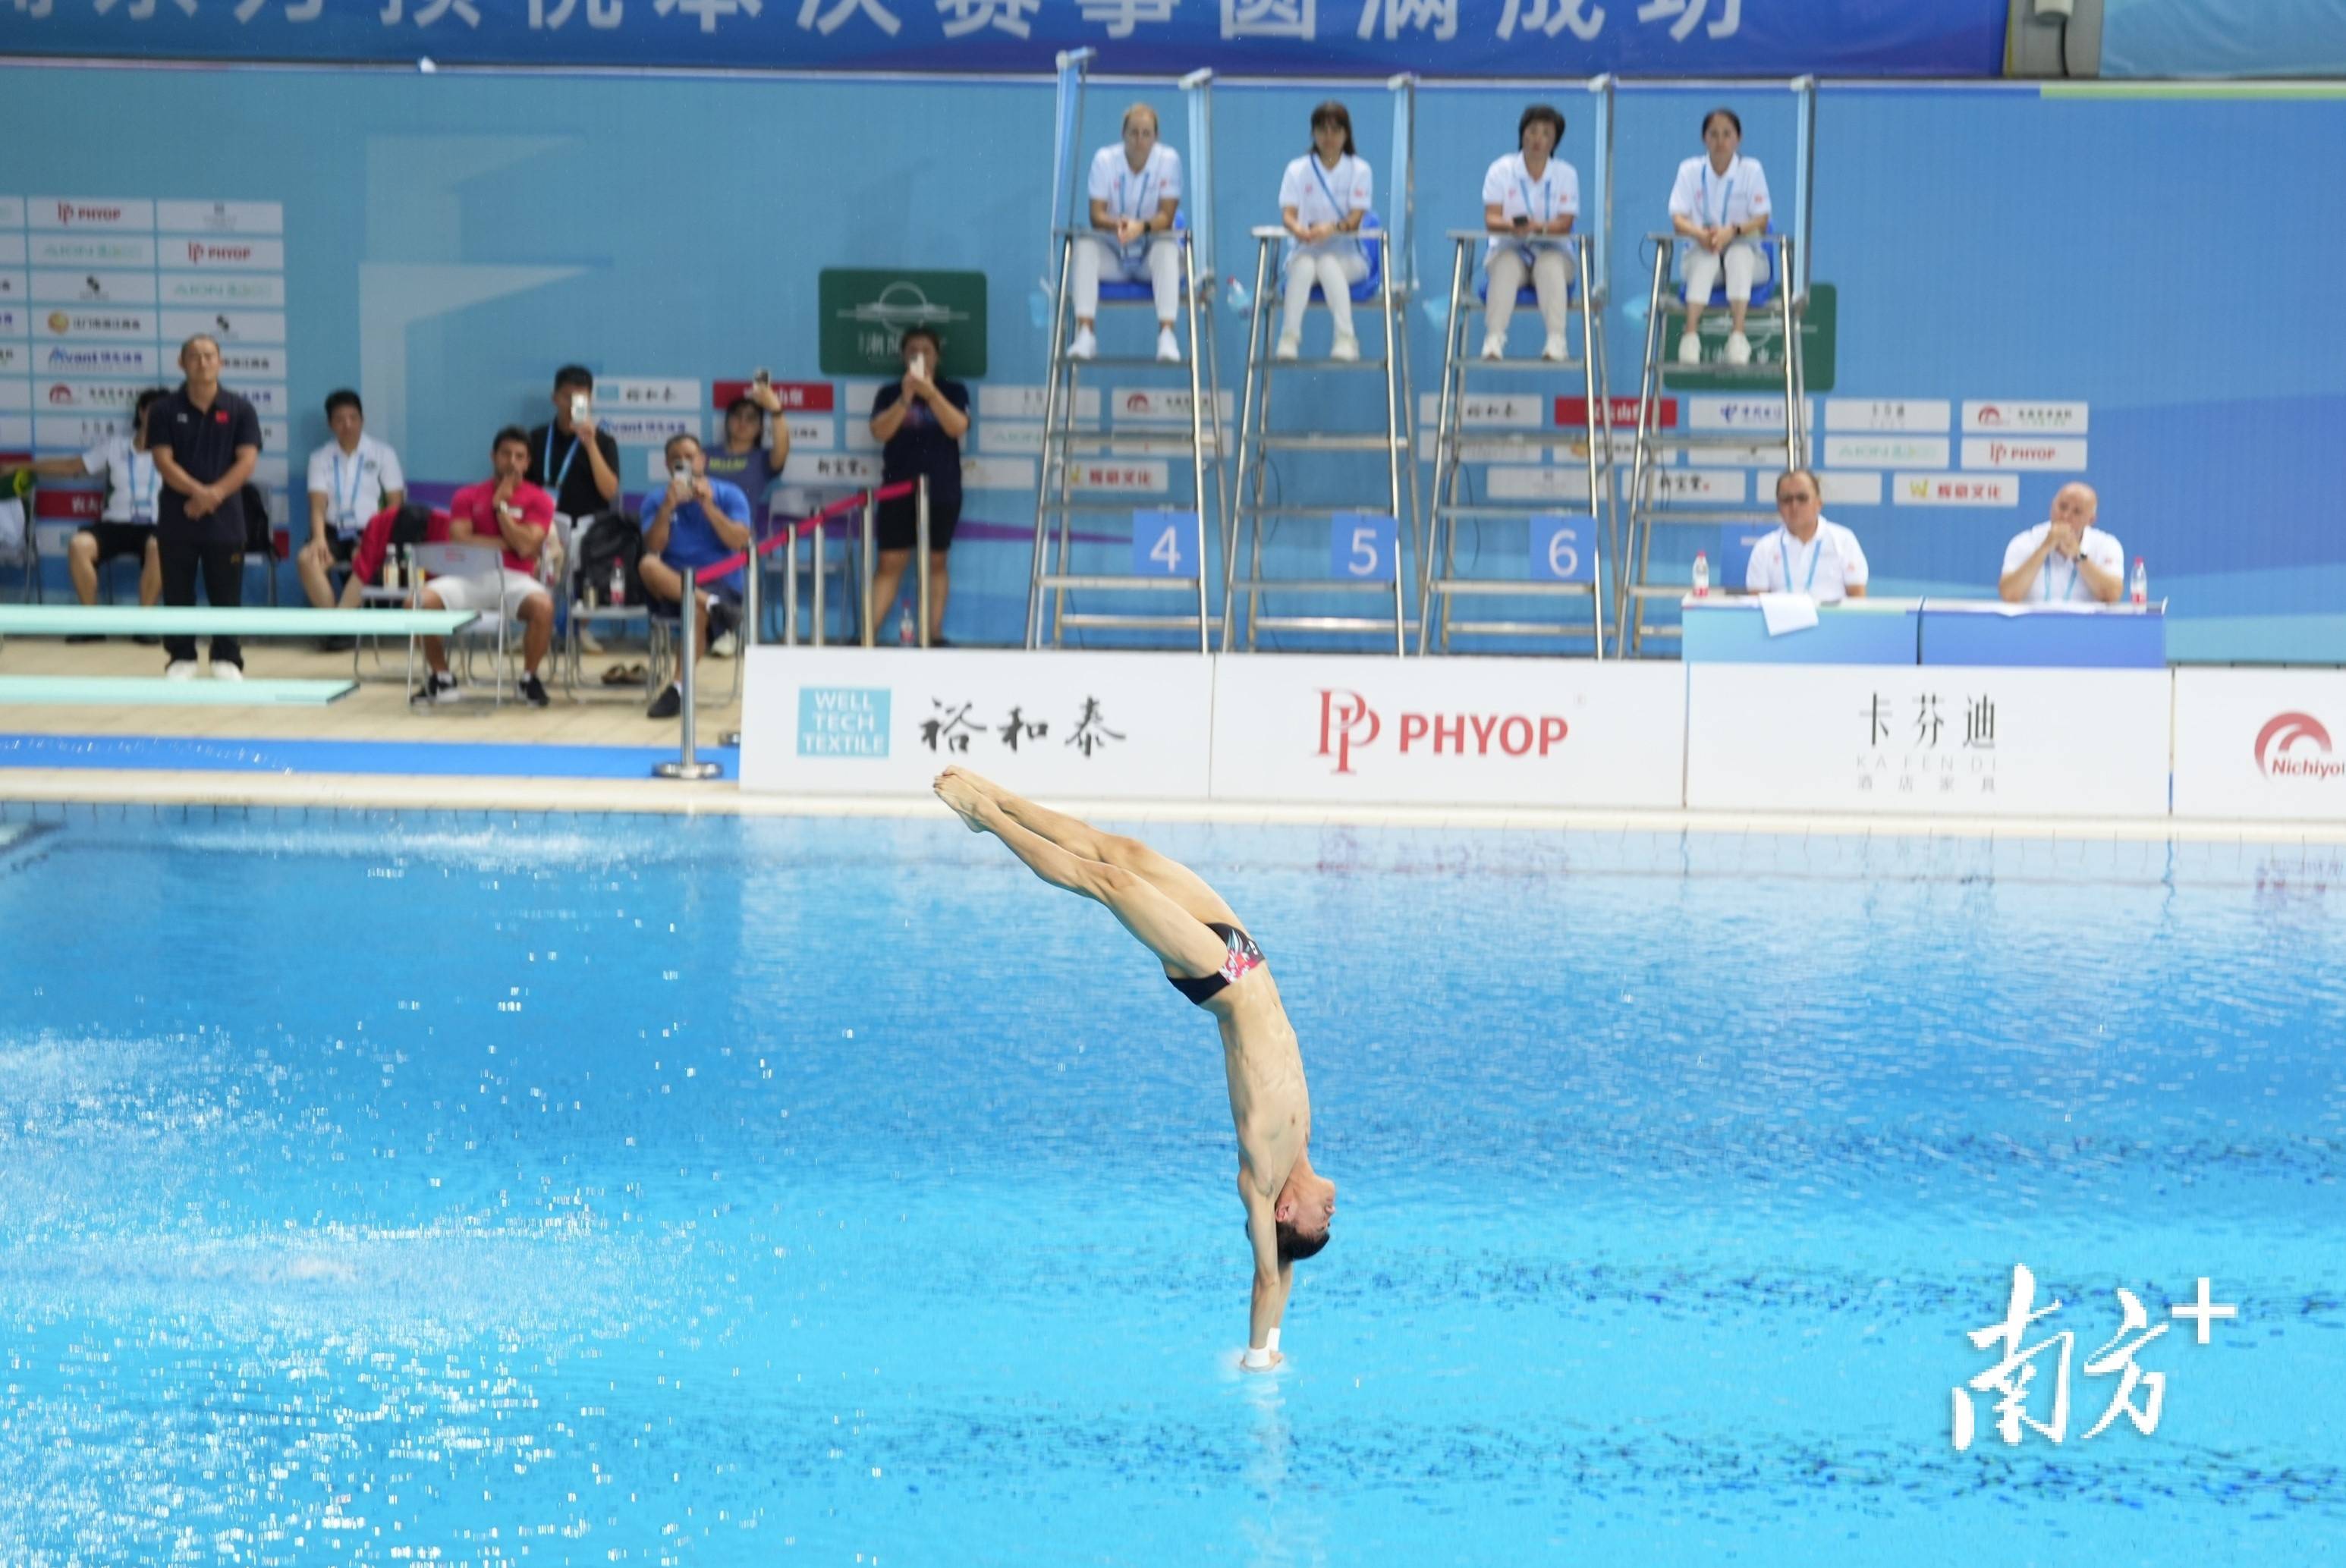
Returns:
point(611, 536)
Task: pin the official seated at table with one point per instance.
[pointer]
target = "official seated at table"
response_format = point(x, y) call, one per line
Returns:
point(1809, 553)
point(2065, 559)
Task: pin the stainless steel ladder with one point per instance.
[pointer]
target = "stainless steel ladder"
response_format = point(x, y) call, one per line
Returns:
point(1064, 445)
point(1440, 580)
point(1646, 510)
point(1255, 514)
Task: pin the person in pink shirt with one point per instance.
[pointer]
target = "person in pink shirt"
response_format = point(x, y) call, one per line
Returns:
point(509, 511)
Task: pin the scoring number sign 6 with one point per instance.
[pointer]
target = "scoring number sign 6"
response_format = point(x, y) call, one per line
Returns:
point(1362, 544)
point(1557, 556)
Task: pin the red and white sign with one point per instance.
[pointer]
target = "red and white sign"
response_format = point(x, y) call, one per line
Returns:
point(1955, 490)
point(1163, 405)
point(2267, 745)
point(2002, 417)
point(2065, 453)
point(798, 397)
point(211, 255)
point(1621, 413)
point(1370, 729)
point(1928, 740)
point(88, 212)
point(52, 502)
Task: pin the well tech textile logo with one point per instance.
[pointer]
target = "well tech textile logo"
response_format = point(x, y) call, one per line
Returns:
point(843, 721)
point(2296, 746)
point(1349, 724)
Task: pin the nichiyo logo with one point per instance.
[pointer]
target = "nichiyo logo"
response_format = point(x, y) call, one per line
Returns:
point(2296, 746)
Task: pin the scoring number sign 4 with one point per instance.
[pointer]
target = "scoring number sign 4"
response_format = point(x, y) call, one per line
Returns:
point(1164, 543)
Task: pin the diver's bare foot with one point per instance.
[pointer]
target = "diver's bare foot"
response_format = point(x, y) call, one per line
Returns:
point(955, 788)
point(987, 788)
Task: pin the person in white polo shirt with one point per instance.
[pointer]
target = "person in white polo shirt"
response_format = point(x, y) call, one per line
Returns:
point(1718, 206)
point(1809, 553)
point(352, 478)
point(2065, 559)
point(127, 525)
point(1323, 200)
point(1530, 200)
point(1135, 191)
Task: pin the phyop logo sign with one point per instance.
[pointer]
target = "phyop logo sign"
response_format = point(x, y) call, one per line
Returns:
point(1348, 724)
point(843, 721)
point(2296, 746)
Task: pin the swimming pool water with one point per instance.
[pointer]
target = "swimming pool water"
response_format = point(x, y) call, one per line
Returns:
point(469, 1189)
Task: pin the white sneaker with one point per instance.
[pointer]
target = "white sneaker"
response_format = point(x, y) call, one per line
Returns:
point(1739, 349)
point(1689, 350)
point(180, 669)
point(1168, 347)
point(1288, 348)
point(1084, 346)
point(1495, 347)
point(1345, 347)
point(1555, 347)
point(723, 645)
point(227, 671)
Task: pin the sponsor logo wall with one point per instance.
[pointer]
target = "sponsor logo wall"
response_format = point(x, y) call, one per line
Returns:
point(1928, 741)
point(856, 721)
point(2269, 745)
point(1254, 728)
point(100, 292)
point(1454, 731)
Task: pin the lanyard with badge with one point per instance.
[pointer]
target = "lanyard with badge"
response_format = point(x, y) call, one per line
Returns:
point(2068, 589)
point(1334, 205)
point(567, 459)
point(1816, 554)
point(346, 502)
point(144, 496)
point(1138, 208)
point(1726, 195)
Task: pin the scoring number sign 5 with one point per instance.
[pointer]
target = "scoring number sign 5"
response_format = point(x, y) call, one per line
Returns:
point(1363, 544)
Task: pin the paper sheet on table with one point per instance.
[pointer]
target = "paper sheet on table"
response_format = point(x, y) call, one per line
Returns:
point(1787, 613)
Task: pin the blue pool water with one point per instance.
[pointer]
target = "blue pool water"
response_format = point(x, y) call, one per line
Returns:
point(571, 1190)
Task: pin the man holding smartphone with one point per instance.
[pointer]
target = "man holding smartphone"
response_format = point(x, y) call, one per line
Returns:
point(572, 457)
point(698, 521)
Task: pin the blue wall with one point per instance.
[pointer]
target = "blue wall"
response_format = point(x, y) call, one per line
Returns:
point(2139, 250)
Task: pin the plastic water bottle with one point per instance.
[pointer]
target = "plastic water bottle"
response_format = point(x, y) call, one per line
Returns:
point(618, 584)
point(2141, 588)
point(905, 629)
point(1702, 574)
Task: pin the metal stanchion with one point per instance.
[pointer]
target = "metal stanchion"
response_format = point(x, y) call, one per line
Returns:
point(753, 617)
point(688, 765)
point(791, 588)
point(871, 533)
point(920, 551)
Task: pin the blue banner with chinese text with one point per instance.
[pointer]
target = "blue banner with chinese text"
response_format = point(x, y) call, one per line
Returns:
point(1564, 38)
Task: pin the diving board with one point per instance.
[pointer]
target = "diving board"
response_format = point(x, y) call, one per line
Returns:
point(115, 691)
point(231, 621)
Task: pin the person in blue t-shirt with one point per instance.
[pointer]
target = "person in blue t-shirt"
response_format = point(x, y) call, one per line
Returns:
point(695, 522)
